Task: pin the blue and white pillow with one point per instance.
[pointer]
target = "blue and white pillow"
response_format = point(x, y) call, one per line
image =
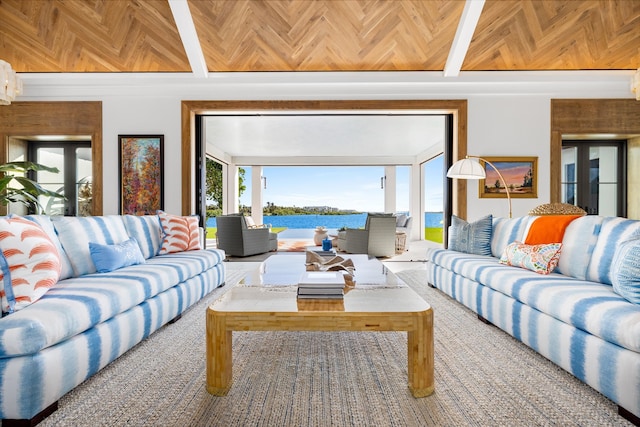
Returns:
point(613, 232)
point(112, 257)
point(147, 230)
point(508, 230)
point(625, 271)
point(75, 233)
point(471, 238)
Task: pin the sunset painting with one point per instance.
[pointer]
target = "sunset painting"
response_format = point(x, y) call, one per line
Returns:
point(519, 174)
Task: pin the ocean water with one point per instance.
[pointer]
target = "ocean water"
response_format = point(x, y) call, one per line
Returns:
point(331, 222)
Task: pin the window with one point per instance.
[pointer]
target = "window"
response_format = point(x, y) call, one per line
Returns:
point(593, 176)
point(434, 199)
point(73, 160)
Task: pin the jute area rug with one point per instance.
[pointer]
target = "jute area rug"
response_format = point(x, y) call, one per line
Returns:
point(483, 377)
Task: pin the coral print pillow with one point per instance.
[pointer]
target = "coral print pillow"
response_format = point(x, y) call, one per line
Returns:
point(181, 233)
point(542, 259)
point(30, 263)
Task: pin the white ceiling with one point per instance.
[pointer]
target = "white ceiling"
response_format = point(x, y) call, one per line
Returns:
point(289, 137)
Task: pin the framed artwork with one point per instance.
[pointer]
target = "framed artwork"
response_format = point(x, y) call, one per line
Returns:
point(519, 173)
point(141, 174)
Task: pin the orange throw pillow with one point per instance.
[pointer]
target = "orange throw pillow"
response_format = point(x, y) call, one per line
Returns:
point(548, 229)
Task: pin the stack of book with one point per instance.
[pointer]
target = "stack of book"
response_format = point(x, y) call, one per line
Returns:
point(321, 285)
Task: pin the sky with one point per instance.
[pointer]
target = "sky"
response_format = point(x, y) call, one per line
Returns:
point(343, 187)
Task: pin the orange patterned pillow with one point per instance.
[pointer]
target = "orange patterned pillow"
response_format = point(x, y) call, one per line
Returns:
point(29, 263)
point(181, 233)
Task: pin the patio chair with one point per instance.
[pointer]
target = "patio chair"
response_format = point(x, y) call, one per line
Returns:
point(238, 240)
point(378, 238)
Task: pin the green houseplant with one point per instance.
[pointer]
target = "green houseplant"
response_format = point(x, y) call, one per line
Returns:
point(27, 190)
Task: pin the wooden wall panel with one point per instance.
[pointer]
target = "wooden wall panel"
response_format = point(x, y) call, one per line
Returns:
point(26, 119)
point(589, 116)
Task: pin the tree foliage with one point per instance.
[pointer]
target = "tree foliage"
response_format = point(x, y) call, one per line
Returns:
point(213, 181)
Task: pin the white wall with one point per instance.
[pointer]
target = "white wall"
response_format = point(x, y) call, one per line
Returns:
point(509, 126)
point(508, 112)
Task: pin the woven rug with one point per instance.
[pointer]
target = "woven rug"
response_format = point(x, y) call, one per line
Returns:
point(483, 377)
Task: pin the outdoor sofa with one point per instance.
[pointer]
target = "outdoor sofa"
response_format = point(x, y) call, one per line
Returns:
point(101, 285)
point(584, 315)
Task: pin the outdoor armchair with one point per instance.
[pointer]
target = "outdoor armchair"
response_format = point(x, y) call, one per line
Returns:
point(378, 238)
point(236, 239)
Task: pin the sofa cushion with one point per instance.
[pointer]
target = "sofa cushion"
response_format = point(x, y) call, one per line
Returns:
point(75, 233)
point(625, 270)
point(147, 231)
point(77, 304)
point(541, 259)
point(577, 246)
point(44, 221)
point(471, 238)
point(614, 231)
point(508, 230)
point(181, 233)
point(112, 257)
point(29, 263)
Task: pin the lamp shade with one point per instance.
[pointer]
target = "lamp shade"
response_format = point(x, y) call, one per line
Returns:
point(466, 169)
point(10, 83)
point(635, 84)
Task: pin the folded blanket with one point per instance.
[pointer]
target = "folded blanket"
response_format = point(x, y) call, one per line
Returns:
point(548, 229)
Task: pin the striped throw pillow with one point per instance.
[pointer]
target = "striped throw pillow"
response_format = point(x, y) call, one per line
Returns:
point(147, 231)
point(625, 271)
point(471, 238)
point(75, 233)
point(44, 221)
point(30, 263)
point(614, 231)
point(181, 233)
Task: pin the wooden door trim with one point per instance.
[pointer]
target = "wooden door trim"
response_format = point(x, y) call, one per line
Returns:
point(72, 118)
point(192, 108)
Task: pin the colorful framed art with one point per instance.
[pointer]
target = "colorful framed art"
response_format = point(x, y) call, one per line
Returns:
point(141, 174)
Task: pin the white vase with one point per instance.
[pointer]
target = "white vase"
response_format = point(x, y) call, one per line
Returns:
point(321, 234)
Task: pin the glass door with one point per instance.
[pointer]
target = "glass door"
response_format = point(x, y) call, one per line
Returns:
point(593, 176)
point(73, 160)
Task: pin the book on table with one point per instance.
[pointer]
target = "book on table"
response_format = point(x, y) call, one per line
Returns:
point(321, 296)
point(323, 279)
point(321, 285)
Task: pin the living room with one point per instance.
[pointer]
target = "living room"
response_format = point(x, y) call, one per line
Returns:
point(520, 110)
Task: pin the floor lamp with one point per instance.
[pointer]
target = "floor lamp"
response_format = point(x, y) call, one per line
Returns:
point(470, 168)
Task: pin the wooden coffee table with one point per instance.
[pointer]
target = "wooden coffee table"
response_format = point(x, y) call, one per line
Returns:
point(261, 308)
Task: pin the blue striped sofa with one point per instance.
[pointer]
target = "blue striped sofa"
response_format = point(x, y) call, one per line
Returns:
point(572, 316)
point(89, 319)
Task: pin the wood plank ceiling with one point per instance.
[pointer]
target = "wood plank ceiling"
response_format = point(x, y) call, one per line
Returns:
point(320, 35)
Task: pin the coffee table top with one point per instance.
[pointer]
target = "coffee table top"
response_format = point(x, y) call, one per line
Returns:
point(286, 269)
point(271, 288)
